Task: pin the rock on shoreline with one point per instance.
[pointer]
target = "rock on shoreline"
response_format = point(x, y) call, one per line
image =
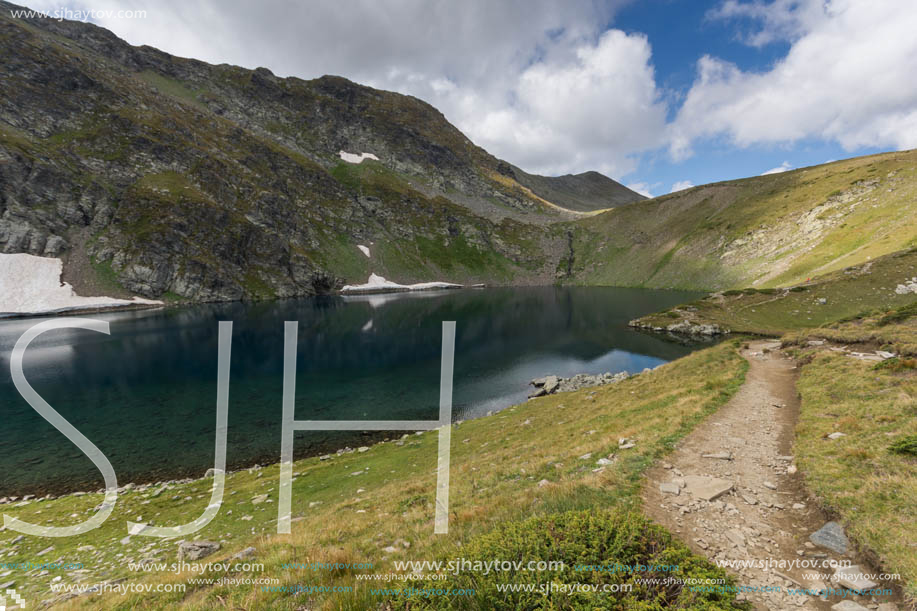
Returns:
point(549, 385)
point(683, 327)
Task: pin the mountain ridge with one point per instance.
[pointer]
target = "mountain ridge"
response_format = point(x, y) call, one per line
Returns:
point(121, 159)
point(179, 180)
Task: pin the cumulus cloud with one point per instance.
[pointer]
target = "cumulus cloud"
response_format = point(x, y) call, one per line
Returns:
point(848, 77)
point(642, 188)
point(779, 20)
point(681, 185)
point(783, 167)
point(592, 109)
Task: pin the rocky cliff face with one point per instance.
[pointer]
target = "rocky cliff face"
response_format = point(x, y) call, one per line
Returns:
point(173, 178)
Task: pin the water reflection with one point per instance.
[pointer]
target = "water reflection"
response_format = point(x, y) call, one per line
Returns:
point(146, 394)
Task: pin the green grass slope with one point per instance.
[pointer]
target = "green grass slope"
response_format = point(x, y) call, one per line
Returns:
point(869, 476)
point(765, 231)
point(843, 294)
point(356, 506)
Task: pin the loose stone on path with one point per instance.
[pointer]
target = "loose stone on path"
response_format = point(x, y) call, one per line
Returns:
point(706, 488)
point(831, 536)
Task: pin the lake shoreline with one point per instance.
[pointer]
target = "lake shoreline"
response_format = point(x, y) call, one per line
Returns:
point(360, 356)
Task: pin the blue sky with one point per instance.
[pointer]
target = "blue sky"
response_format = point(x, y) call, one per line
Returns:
point(654, 93)
point(681, 33)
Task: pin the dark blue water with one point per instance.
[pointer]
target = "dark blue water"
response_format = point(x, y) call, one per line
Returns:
point(145, 395)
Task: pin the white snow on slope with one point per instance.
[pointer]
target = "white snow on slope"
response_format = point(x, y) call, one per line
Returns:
point(378, 284)
point(355, 158)
point(32, 285)
point(364, 249)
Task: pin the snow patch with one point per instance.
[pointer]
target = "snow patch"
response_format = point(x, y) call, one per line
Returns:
point(32, 285)
point(355, 158)
point(364, 250)
point(378, 284)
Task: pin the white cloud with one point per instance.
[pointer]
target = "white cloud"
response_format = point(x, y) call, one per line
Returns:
point(592, 109)
point(848, 77)
point(777, 21)
point(681, 185)
point(641, 187)
point(783, 167)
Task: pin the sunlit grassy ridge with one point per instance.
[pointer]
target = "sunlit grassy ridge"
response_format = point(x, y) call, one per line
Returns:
point(765, 231)
point(844, 294)
point(497, 463)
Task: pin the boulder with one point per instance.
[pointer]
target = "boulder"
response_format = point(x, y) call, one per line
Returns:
point(195, 550)
point(248, 551)
point(550, 384)
point(831, 536)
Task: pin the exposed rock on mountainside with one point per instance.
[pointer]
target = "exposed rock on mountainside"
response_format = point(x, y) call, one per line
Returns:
point(178, 180)
point(169, 177)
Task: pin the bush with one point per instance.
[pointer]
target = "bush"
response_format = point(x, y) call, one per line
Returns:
point(905, 445)
point(590, 543)
point(895, 364)
point(899, 314)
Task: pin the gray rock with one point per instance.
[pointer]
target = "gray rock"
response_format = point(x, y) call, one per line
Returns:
point(670, 488)
point(836, 435)
point(719, 455)
point(550, 384)
point(248, 551)
point(259, 499)
point(705, 487)
point(195, 550)
point(831, 536)
point(852, 577)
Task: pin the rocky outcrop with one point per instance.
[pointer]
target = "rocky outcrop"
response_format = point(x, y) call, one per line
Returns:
point(683, 327)
point(909, 286)
point(551, 384)
point(183, 179)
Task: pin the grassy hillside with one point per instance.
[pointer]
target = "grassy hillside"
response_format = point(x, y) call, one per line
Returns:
point(498, 467)
point(843, 294)
point(869, 476)
point(765, 231)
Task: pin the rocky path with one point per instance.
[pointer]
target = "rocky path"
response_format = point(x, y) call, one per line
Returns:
point(731, 492)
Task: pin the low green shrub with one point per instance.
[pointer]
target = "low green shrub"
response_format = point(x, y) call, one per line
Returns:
point(905, 445)
point(899, 314)
point(613, 551)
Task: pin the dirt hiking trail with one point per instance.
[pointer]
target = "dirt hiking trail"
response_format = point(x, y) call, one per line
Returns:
point(732, 493)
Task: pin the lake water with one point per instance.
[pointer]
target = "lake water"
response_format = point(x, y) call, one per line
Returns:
point(146, 394)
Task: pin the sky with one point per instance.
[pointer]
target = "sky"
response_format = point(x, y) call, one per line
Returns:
point(657, 94)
